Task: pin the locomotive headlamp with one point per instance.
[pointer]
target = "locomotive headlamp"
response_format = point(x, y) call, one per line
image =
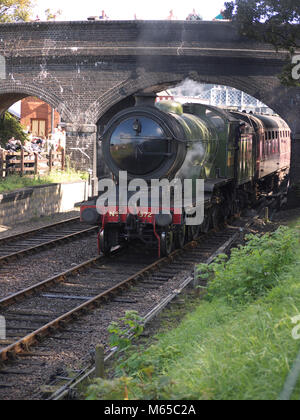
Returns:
point(137, 126)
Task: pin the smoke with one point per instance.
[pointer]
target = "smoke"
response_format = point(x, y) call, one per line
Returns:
point(194, 160)
point(190, 88)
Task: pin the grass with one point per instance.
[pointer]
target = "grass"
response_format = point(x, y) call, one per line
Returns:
point(223, 354)
point(226, 349)
point(15, 182)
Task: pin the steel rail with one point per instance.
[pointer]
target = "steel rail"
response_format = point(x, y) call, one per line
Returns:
point(17, 297)
point(40, 229)
point(36, 336)
point(33, 338)
point(24, 251)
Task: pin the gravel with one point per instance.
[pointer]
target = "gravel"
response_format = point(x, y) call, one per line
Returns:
point(31, 269)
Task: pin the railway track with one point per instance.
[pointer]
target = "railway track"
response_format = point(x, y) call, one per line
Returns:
point(17, 246)
point(68, 387)
point(54, 306)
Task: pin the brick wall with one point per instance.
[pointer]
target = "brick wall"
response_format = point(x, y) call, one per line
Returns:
point(35, 108)
point(23, 205)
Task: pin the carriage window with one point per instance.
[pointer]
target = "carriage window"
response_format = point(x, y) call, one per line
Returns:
point(270, 135)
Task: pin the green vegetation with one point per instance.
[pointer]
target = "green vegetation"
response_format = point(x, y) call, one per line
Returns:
point(272, 21)
point(253, 269)
point(123, 332)
point(15, 10)
point(15, 182)
point(10, 127)
point(236, 344)
point(51, 14)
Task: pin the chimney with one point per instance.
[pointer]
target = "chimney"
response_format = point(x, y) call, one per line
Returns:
point(145, 99)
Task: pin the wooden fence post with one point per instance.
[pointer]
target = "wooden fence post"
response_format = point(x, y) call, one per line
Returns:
point(2, 158)
point(22, 163)
point(99, 362)
point(50, 160)
point(6, 165)
point(63, 159)
point(36, 164)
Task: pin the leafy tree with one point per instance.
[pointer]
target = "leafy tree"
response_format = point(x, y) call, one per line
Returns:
point(273, 21)
point(52, 15)
point(10, 127)
point(15, 10)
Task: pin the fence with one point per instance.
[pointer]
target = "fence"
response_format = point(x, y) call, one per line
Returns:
point(22, 163)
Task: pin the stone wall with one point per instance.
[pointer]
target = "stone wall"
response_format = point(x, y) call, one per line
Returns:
point(28, 203)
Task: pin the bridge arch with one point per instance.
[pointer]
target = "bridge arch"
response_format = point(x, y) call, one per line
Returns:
point(271, 95)
point(12, 92)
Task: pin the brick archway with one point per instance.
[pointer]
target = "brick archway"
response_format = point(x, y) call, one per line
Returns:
point(11, 92)
point(271, 94)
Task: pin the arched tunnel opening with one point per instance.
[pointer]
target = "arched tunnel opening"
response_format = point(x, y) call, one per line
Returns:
point(225, 97)
point(236, 145)
point(32, 116)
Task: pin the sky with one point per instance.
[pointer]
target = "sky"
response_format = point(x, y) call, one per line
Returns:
point(125, 9)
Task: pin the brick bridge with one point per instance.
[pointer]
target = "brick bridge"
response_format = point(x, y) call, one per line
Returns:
point(89, 70)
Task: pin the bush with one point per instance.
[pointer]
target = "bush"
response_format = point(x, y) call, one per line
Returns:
point(123, 332)
point(10, 127)
point(253, 269)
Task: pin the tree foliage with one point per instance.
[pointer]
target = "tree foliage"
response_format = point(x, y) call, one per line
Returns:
point(52, 15)
point(15, 10)
point(10, 127)
point(273, 21)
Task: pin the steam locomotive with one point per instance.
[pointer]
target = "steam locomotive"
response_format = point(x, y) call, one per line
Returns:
point(239, 156)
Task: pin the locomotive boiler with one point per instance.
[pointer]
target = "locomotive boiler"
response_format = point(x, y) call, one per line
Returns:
point(239, 156)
